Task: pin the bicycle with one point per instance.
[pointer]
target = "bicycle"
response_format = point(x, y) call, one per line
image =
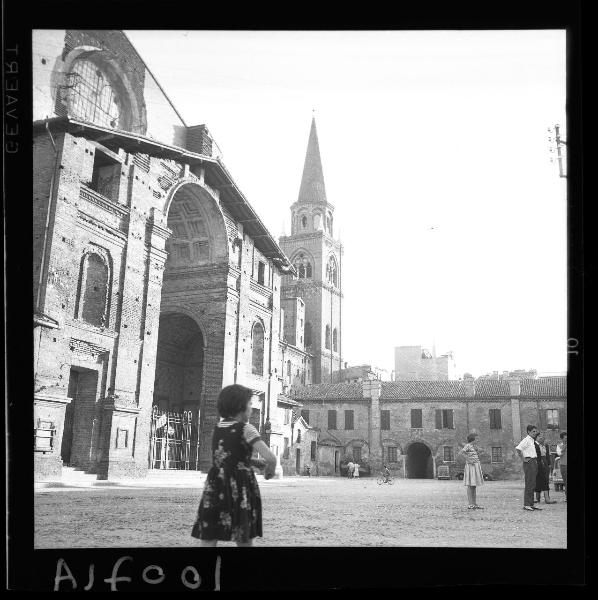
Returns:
point(384, 478)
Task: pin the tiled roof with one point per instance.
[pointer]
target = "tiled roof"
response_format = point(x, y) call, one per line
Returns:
point(491, 387)
point(327, 391)
point(422, 389)
point(408, 390)
point(545, 387)
point(286, 400)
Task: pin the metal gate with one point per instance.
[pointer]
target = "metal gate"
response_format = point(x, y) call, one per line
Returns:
point(174, 440)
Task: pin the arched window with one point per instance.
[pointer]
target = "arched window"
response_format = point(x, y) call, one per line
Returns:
point(302, 266)
point(92, 301)
point(332, 271)
point(257, 356)
point(327, 338)
point(289, 370)
point(330, 224)
point(299, 436)
point(304, 221)
point(335, 340)
point(307, 334)
point(91, 96)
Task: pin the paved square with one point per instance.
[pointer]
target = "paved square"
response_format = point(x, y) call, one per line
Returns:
point(301, 511)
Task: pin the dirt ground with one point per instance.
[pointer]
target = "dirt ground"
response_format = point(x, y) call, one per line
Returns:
point(303, 511)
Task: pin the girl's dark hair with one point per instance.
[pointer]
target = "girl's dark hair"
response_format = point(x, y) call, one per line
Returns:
point(471, 437)
point(233, 399)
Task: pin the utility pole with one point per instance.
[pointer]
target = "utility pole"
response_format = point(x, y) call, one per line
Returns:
point(558, 147)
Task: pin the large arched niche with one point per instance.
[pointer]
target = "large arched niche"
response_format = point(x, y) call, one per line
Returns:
point(199, 234)
point(178, 384)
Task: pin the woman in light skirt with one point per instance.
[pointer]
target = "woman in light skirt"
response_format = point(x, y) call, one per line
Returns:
point(472, 474)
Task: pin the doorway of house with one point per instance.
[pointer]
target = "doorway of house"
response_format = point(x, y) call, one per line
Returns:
point(419, 461)
point(298, 462)
point(336, 460)
point(78, 431)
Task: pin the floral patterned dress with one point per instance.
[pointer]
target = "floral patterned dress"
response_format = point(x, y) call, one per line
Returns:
point(230, 508)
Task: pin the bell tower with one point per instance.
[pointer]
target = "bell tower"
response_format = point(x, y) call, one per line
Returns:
point(317, 257)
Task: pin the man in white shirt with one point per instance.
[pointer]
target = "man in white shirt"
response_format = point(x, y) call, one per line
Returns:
point(527, 452)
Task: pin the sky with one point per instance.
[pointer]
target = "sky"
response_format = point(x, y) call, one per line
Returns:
point(435, 154)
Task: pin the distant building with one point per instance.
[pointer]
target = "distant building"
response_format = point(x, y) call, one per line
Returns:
point(414, 363)
point(519, 373)
point(362, 373)
point(416, 426)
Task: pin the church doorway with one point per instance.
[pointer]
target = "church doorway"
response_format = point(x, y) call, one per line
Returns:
point(79, 421)
point(419, 461)
point(174, 433)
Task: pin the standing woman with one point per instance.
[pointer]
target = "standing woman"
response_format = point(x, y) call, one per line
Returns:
point(542, 478)
point(472, 474)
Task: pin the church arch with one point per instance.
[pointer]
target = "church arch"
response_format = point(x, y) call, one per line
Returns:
point(199, 234)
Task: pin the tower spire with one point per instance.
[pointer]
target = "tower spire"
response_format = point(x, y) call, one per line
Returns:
point(312, 182)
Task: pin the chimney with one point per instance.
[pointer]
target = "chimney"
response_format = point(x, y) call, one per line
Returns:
point(469, 383)
point(514, 387)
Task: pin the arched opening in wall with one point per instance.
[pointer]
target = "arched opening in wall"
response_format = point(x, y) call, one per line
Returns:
point(178, 385)
point(92, 297)
point(327, 338)
point(335, 340)
point(419, 461)
point(198, 240)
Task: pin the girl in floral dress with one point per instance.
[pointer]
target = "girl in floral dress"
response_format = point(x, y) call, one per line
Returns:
point(230, 508)
point(472, 473)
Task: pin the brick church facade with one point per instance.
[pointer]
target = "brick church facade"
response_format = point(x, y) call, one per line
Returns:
point(155, 281)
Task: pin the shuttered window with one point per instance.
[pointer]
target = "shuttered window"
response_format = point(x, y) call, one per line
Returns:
point(349, 419)
point(495, 418)
point(416, 418)
point(444, 418)
point(552, 418)
point(331, 419)
point(385, 419)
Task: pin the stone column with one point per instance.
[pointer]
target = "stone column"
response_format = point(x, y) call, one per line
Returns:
point(515, 392)
point(372, 389)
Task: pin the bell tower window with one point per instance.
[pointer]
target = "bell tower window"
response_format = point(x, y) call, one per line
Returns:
point(332, 272)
